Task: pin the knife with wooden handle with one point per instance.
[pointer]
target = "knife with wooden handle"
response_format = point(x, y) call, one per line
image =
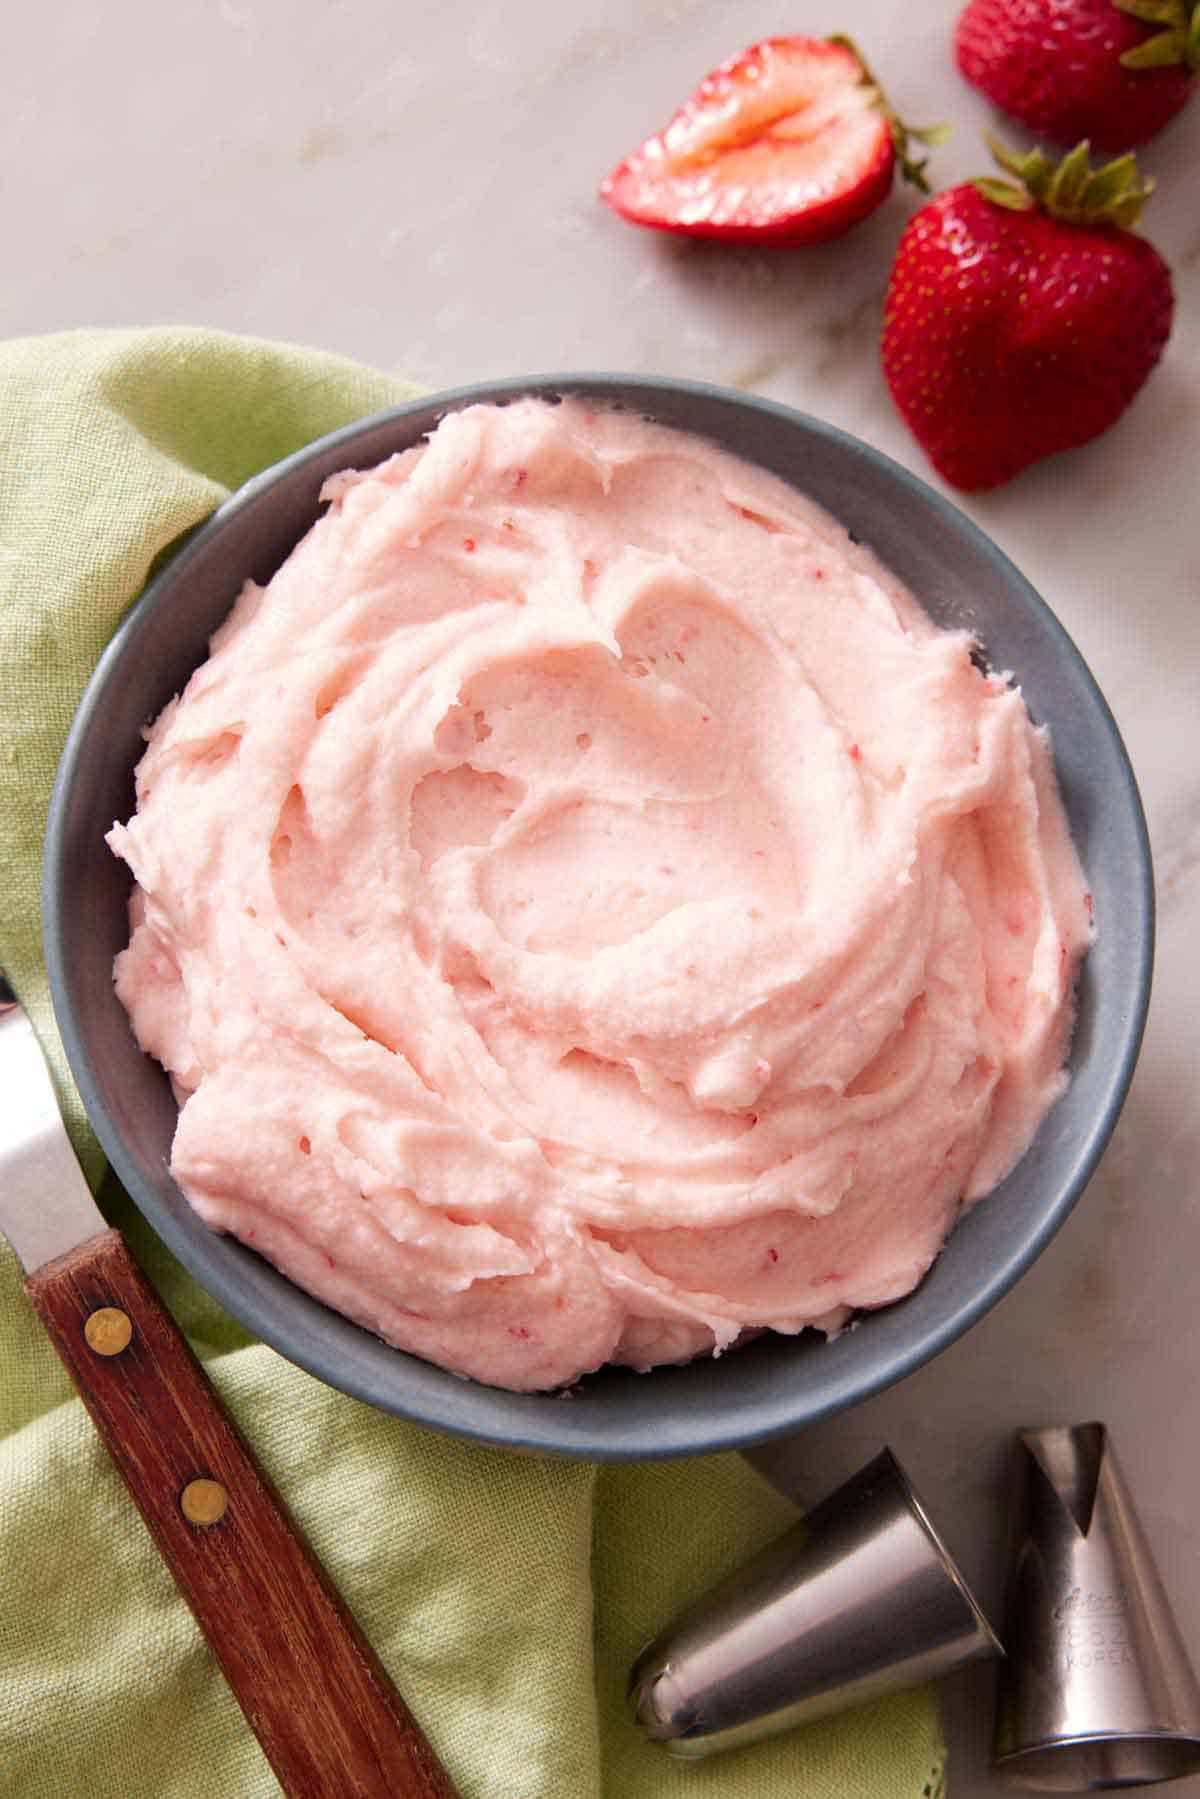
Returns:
point(315, 1694)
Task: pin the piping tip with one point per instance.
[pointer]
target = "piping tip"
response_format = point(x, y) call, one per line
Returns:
point(1098, 1690)
point(858, 1600)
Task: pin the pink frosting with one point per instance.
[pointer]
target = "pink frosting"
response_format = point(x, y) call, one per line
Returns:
point(589, 912)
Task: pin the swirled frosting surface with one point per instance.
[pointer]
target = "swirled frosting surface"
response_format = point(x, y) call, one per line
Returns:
point(589, 912)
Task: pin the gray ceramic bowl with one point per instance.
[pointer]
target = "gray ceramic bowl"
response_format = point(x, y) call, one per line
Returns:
point(775, 1384)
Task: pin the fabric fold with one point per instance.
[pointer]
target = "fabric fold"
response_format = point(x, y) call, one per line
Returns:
point(506, 1595)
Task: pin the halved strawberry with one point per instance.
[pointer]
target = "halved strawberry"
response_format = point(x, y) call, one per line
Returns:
point(789, 143)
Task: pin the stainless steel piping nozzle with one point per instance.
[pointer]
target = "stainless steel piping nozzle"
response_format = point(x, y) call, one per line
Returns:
point(1098, 1690)
point(858, 1600)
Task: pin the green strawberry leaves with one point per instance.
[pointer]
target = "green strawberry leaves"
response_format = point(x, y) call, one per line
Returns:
point(1178, 42)
point(910, 167)
point(1071, 189)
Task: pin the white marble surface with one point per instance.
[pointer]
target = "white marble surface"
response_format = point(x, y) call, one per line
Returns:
point(415, 186)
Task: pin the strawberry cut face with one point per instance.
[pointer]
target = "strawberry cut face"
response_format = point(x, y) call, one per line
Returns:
point(786, 143)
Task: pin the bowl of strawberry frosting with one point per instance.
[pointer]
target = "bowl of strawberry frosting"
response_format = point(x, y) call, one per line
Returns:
point(627, 928)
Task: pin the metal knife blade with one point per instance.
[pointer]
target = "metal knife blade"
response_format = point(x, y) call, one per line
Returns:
point(313, 1690)
point(46, 1207)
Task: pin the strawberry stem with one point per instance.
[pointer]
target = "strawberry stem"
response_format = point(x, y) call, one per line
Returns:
point(1177, 42)
point(929, 135)
point(1071, 189)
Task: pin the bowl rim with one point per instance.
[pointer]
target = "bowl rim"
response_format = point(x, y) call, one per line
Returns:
point(790, 1408)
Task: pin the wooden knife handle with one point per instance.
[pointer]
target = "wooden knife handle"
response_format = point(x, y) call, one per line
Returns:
point(314, 1692)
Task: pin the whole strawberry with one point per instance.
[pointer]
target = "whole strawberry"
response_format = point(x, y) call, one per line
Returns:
point(1113, 71)
point(1021, 320)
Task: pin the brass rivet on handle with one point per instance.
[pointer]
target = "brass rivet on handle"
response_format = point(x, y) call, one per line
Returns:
point(203, 1501)
point(108, 1331)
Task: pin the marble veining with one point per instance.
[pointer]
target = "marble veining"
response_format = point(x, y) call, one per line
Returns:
point(416, 187)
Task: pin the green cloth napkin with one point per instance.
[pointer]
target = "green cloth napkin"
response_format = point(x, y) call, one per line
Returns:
point(506, 1595)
